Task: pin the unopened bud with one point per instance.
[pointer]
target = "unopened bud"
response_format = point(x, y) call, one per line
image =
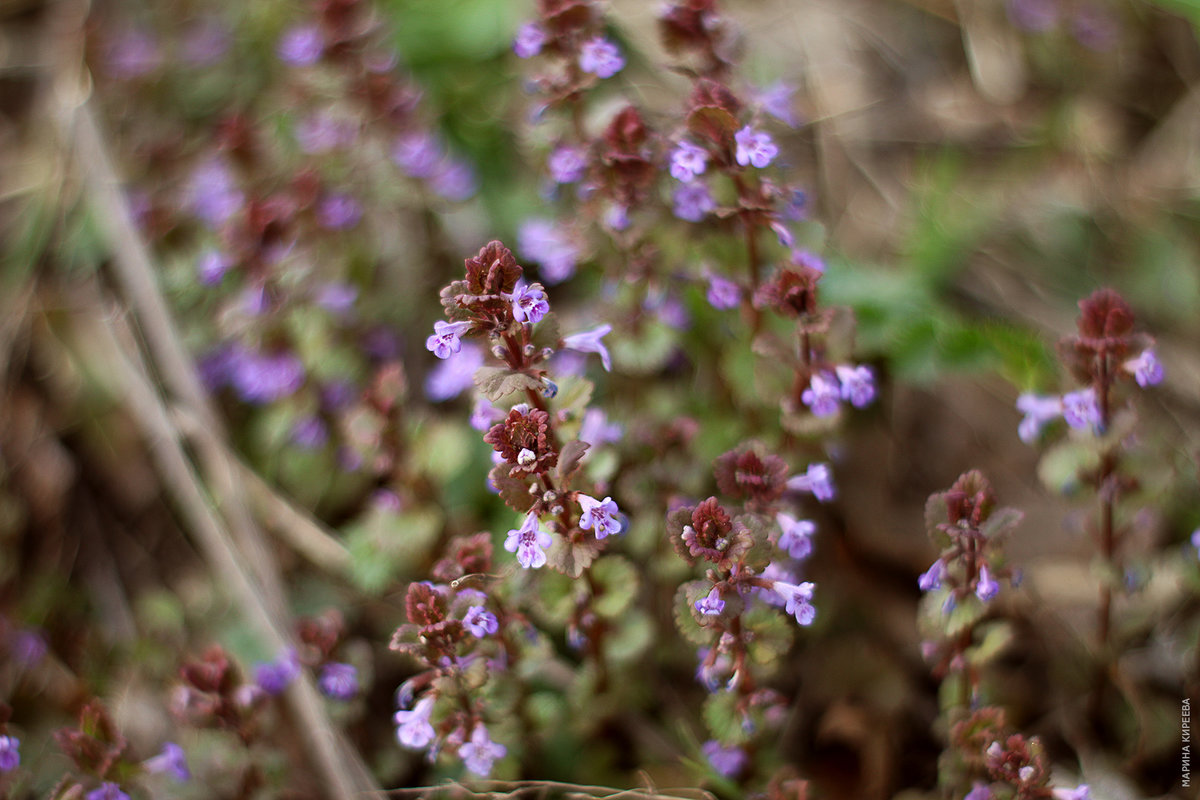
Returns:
point(556, 509)
point(550, 389)
point(498, 351)
point(529, 350)
point(526, 457)
point(547, 352)
point(549, 497)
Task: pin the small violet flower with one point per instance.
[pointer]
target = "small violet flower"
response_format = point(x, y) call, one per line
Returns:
point(822, 394)
point(727, 761)
point(798, 599)
point(212, 266)
point(10, 753)
point(337, 298)
point(338, 212)
point(754, 148)
point(1080, 792)
point(529, 302)
point(722, 294)
point(776, 100)
point(542, 241)
point(931, 579)
point(310, 433)
point(795, 537)
point(171, 761)
point(1196, 541)
point(1146, 369)
point(107, 791)
point(567, 164)
point(688, 161)
point(979, 791)
point(600, 516)
point(454, 375)
point(480, 622)
point(301, 46)
point(413, 729)
point(589, 342)
point(418, 153)
point(711, 604)
point(987, 587)
point(816, 479)
point(444, 340)
point(692, 202)
point(481, 752)
point(1080, 409)
point(596, 430)
point(858, 384)
point(261, 378)
point(1038, 411)
point(529, 41)
point(600, 57)
point(274, 677)
point(529, 542)
point(339, 681)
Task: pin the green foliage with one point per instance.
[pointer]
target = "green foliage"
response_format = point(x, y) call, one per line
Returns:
point(386, 548)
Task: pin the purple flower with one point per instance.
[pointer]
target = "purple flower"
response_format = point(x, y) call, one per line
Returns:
point(529, 542)
point(133, 54)
point(483, 414)
point(1196, 541)
point(722, 293)
point(693, 201)
point(816, 479)
point(261, 379)
point(596, 430)
point(602, 517)
point(107, 791)
point(28, 647)
point(858, 384)
point(10, 753)
point(480, 622)
point(310, 433)
point(301, 46)
point(1080, 792)
point(1093, 28)
point(212, 266)
point(542, 241)
point(931, 579)
point(727, 761)
point(1145, 369)
point(589, 342)
point(337, 298)
point(986, 588)
point(979, 791)
point(480, 752)
point(319, 133)
point(455, 374)
point(798, 600)
point(616, 218)
point(418, 153)
point(529, 40)
point(688, 161)
point(567, 164)
point(205, 43)
point(822, 395)
point(339, 681)
point(454, 180)
point(444, 340)
point(797, 206)
point(600, 57)
point(776, 100)
point(338, 211)
point(273, 677)
point(1038, 411)
point(809, 259)
point(754, 148)
point(1033, 15)
point(172, 761)
point(795, 537)
point(213, 197)
point(413, 729)
point(529, 302)
point(1080, 409)
point(711, 604)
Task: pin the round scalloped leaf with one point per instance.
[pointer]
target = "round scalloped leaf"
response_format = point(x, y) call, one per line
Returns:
point(772, 633)
point(965, 615)
point(617, 581)
point(995, 639)
point(685, 601)
point(759, 554)
point(1001, 521)
point(723, 719)
point(559, 595)
point(630, 637)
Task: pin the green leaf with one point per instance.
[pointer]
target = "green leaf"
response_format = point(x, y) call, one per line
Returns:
point(1001, 521)
point(443, 449)
point(725, 721)
point(572, 558)
point(966, 615)
point(569, 461)
point(1063, 463)
point(995, 639)
point(387, 547)
point(497, 382)
point(632, 635)
point(772, 633)
point(513, 491)
point(685, 603)
point(617, 584)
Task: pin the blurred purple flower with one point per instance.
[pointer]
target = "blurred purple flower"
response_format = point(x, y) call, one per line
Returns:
point(483, 414)
point(1038, 410)
point(381, 343)
point(338, 211)
point(10, 753)
point(133, 54)
point(1146, 369)
point(529, 40)
point(823, 394)
point(797, 206)
point(339, 681)
point(589, 342)
point(418, 153)
point(987, 587)
point(107, 791)
point(816, 479)
point(979, 791)
point(480, 752)
point(542, 241)
point(1033, 15)
point(301, 45)
point(1094, 28)
point(616, 218)
point(454, 180)
point(1196, 541)
point(776, 100)
point(213, 197)
point(858, 384)
point(321, 132)
point(337, 298)
point(688, 161)
point(480, 622)
point(693, 201)
point(28, 647)
point(722, 293)
point(600, 57)
point(262, 378)
point(454, 375)
point(172, 761)
point(795, 537)
point(931, 579)
point(596, 430)
point(412, 727)
point(727, 761)
point(212, 266)
point(253, 300)
point(1080, 409)
point(273, 677)
point(754, 148)
point(567, 164)
point(310, 433)
point(798, 600)
point(809, 259)
point(387, 501)
point(205, 43)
